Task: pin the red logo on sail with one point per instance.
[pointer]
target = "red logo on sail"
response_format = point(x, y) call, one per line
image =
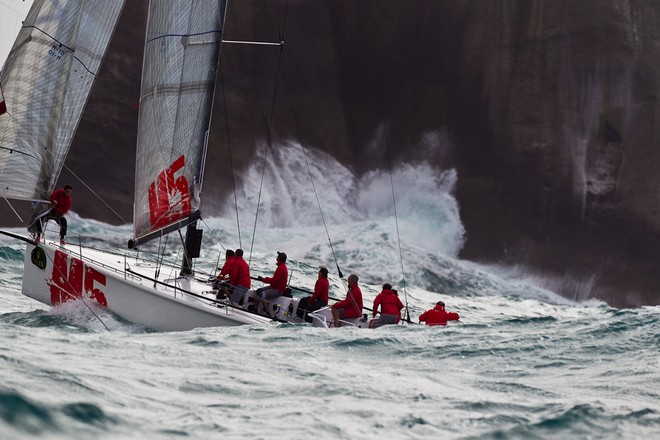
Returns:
point(169, 198)
point(75, 280)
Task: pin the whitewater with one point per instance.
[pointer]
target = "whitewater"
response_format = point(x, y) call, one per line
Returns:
point(522, 362)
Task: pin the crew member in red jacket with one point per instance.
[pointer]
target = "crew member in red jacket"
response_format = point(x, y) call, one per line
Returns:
point(351, 306)
point(226, 268)
point(318, 299)
point(276, 284)
point(438, 315)
point(60, 200)
point(220, 283)
point(239, 275)
point(391, 306)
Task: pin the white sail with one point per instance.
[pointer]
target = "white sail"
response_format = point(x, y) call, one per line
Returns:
point(181, 56)
point(46, 81)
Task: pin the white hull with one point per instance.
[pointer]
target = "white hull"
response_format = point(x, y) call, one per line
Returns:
point(131, 289)
point(126, 287)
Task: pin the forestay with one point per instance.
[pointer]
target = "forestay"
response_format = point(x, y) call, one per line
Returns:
point(181, 56)
point(46, 81)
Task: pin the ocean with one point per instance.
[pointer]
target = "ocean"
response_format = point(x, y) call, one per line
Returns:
point(522, 362)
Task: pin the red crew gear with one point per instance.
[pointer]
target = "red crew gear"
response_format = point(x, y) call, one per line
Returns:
point(438, 316)
point(228, 269)
point(61, 201)
point(352, 304)
point(279, 278)
point(390, 304)
point(242, 273)
point(321, 289)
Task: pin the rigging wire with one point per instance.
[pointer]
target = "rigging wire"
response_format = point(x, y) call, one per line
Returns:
point(305, 155)
point(231, 160)
point(95, 194)
point(389, 156)
point(309, 172)
point(185, 259)
point(215, 237)
point(269, 134)
point(160, 257)
point(12, 208)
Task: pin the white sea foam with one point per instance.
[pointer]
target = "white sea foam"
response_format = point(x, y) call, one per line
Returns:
point(358, 213)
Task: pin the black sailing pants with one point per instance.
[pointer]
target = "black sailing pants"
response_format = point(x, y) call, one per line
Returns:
point(60, 220)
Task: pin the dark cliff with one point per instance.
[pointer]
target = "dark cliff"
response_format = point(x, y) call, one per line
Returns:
point(547, 109)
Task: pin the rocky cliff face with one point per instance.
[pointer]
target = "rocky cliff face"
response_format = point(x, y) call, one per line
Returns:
point(567, 97)
point(548, 110)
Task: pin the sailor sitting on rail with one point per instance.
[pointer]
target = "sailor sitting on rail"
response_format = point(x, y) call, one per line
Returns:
point(277, 284)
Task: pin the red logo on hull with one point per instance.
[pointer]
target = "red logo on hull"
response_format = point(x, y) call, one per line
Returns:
point(75, 281)
point(169, 198)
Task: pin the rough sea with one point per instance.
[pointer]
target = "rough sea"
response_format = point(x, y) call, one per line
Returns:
point(522, 362)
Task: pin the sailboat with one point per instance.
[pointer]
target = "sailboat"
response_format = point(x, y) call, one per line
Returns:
point(46, 81)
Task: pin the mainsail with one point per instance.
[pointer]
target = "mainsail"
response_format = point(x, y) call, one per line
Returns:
point(46, 81)
point(181, 57)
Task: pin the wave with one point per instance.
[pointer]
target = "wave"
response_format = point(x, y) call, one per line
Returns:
point(583, 420)
point(290, 199)
point(11, 253)
point(78, 315)
point(22, 416)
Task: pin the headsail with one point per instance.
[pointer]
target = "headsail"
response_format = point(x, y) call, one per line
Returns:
point(181, 57)
point(45, 82)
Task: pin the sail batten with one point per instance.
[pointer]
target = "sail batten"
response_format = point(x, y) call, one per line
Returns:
point(182, 50)
point(46, 81)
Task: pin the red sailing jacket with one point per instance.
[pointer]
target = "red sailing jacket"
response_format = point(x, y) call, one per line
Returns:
point(352, 304)
point(61, 200)
point(228, 269)
point(390, 304)
point(279, 278)
point(438, 316)
point(242, 275)
point(321, 290)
